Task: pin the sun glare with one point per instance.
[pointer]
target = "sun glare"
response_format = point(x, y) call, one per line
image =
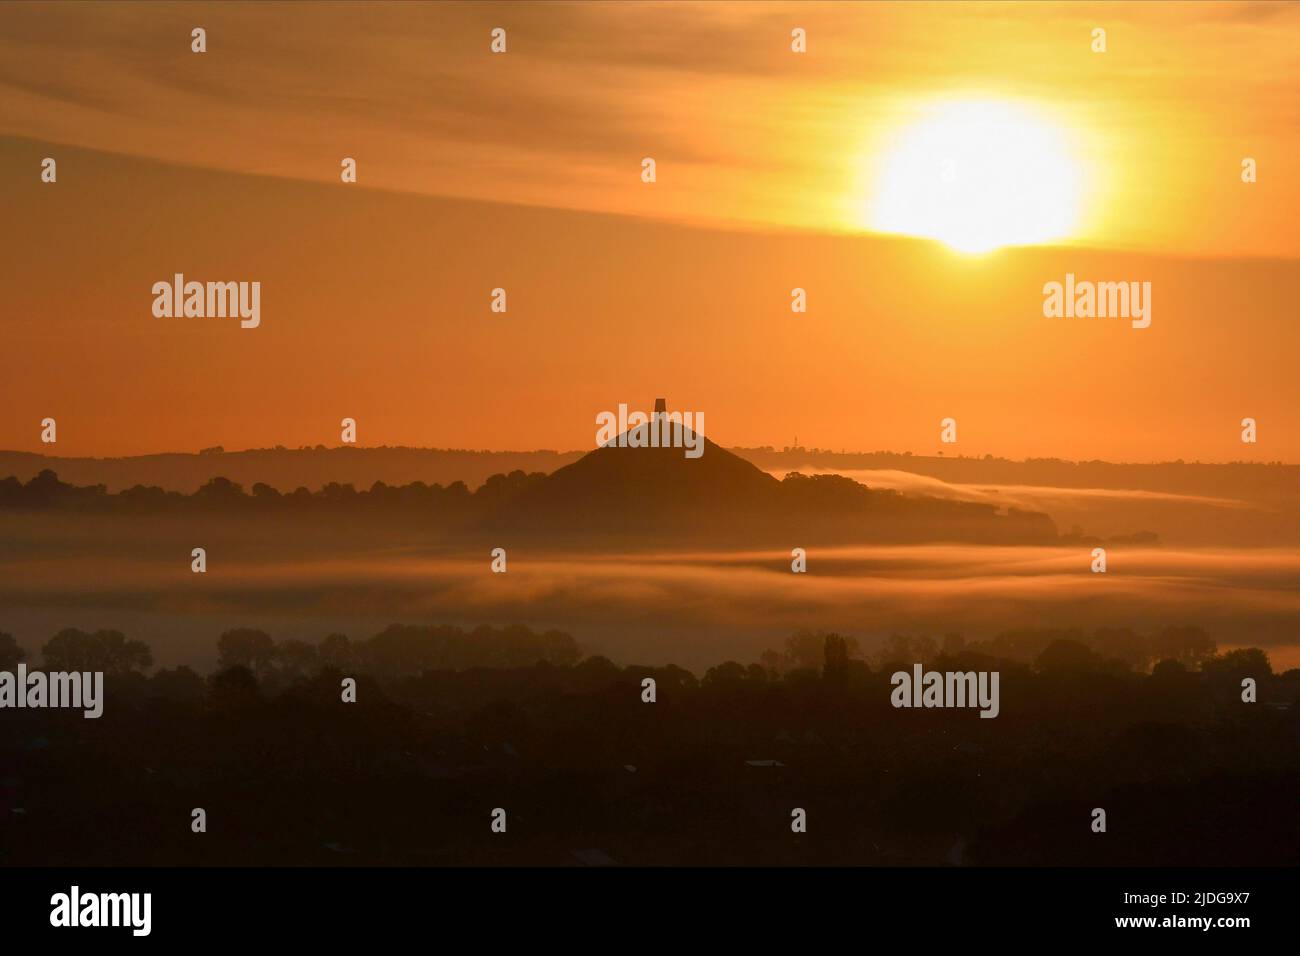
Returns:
point(977, 175)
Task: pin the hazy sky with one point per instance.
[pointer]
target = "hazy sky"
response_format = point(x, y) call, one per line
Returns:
point(375, 295)
point(743, 129)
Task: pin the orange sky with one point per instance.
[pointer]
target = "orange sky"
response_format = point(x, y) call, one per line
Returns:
point(225, 166)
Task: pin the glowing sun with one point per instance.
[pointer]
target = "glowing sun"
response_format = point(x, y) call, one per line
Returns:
point(976, 175)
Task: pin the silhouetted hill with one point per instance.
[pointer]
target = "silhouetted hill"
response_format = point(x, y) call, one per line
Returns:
point(635, 488)
point(660, 493)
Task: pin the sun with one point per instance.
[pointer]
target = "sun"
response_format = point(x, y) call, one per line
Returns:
point(978, 175)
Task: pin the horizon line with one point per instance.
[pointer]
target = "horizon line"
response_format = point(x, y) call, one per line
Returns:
point(218, 450)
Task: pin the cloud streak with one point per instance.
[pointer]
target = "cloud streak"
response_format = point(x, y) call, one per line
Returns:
point(748, 133)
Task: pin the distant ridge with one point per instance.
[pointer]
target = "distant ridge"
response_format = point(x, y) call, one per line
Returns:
point(287, 468)
point(313, 467)
point(621, 497)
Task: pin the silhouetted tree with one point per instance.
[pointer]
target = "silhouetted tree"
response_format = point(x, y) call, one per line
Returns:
point(1234, 665)
point(265, 492)
point(336, 651)
point(597, 664)
point(1068, 657)
point(220, 491)
point(107, 651)
point(835, 667)
point(807, 650)
point(728, 672)
point(341, 493)
point(1169, 669)
point(774, 663)
point(234, 688)
point(296, 659)
point(1189, 644)
point(804, 649)
point(1124, 644)
point(1026, 644)
point(177, 684)
point(245, 647)
point(10, 653)
point(896, 651)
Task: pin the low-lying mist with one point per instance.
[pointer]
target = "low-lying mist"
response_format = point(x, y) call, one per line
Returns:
point(693, 608)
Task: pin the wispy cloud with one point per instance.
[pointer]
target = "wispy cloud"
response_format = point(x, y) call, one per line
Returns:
point(1028, 497)
point(747, 132)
